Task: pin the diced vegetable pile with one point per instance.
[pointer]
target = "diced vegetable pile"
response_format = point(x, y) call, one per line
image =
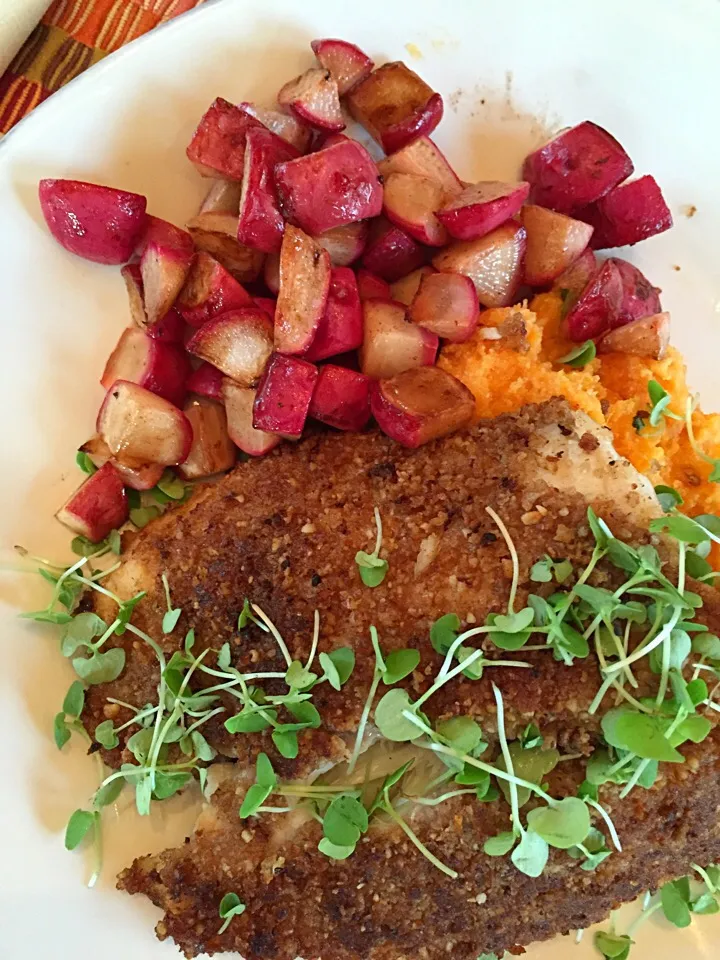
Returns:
point(306, 250)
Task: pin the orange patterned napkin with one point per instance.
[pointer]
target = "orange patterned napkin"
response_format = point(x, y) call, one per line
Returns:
point(72, 36)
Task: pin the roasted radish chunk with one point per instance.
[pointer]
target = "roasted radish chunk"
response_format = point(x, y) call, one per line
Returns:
point(160, 367)
point(481, 207)
point(391, 343)
point(238, 343)
point(423, 158)
point(395, 106)
point(222, 197)
point(283, 396)
point(344, 244)
point(166, 257)
point(260, 223)
point(371, 287)
point(206, 381)
point(640, 297)
point(554, 242)
point(313, 98)
point(169, 328)
point(284, 125)
point(646, 337)
point(209, 291)
point(411, 202)
point(95, 222)
point(304, 286)
point(217, 148)
point(391, 253)
point(139, 426)
point(98, 506)
point(267, 304)
point(239, 403)
point(341, 326)
point(572, 281)
point(628, 214)
point(212, 450)
point(141, 476)
point(421, 405)
point(494, 263)
point(346, 63)
point(598, 307)
point(404, 289)
point(446, 304)
point(216, 234)
point(341, 398)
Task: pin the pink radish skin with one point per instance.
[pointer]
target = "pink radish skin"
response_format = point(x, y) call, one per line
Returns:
point(239, 404)
point(216, 234)
point(598, 306)
point(404, 289)
point(267, 304)
point(391, 253)
point(271, 273)
point(554, 242)
point(212, 450)
point(304, 286)
point(345, 244)
point(166, 255)
point(325, 140)
point(169, 328)
point(640, 297)
point(284, 395)
point(371, 287)
point(238, 343)
point(494, 263)
point(94, 222)
point(99, 506)
point(482, 207)
point(341, 398)
point(159, 367)
point(330, 188)
point(139, 426)
point(341, 327)
point(646, 337)
point(410, 202)
point(628, 214)
point(391, 344)
point(217, 148)
point(423, 159)
point(260, 223)
point(209, 291)
point(206, 381)
point(395, 106)
point(347, 64)
point(576, 168)
point(222, 197)
point(420, 405)
point(574, 279)
point(284, 125)
point(446, 304)
point(313, 98)
point(139, 477)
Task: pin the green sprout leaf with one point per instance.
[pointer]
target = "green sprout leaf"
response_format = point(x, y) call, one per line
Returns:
point(684, 529)
point(79, 826)
point(100, 667)
point(85, 463)
point(372, 569)
point(389, 717)
point(563, 825)
point(400, 664)
point(499, 845)
point(169, 487)
point(613, 946)
point(444, 632)
point(108, 793)
point(668, 497)
point(675, 903)
point(344, 821)
point(74, 700)
point(531, 855)
point(705, 904)
point(61, 731)
point(463, 733)
point(105, 735)
point(80, 632)
point(142, 516)
point(230, 906)
point(640, 734)
point(286, 742)
point(581, 355)
point(335, 852)
point(659, 398)
point(255, 797)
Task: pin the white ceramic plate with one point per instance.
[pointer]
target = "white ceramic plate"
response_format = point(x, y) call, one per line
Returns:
point(648, 70)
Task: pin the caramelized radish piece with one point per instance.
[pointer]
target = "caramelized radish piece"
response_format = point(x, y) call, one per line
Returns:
point(404, 289)
point(628, 214)
point(410, 202)
point(159, 367)
point(646, 337)
point(421, 405)
point(313, 98)
point(217, 148)
point(329, 188)
point(395, 106)
point(572, 281)
point(344, 244)
point(391, 253)
point(283, 396)
point(94, 222)
point(446, 304)
point(216, 234)
point(141, 427)
point(598, 306)
point(391, 343)
point(554, 242)
point(341, 398)
point(99, 506)
point(206, 381)
point(481, 207)
point(371, 287)
point(209, 291)
point(283, 125)
point(341, 326)
point(493, 263)
point(142, 476)
point(271, 273)
point(640, 297)
point(423, 158)
point(212, 450)
point(222, 197)
point(304, 286)
point(238, 343)
point(169, 328)
point(267, 305)
point(260, 223)
point(239, 403)
point(346, 63)
point(166, 257)
point(576, 168)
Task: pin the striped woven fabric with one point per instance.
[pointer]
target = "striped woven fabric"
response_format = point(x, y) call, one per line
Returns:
point(72, 36)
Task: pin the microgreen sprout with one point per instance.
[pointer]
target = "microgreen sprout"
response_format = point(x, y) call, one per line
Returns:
point(371, 568)
point(580, 355)
point(230, 906)
point(173, 614)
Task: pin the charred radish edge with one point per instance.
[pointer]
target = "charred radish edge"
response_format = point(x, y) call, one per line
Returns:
point(598, 307)
point(209, 291)
point(640, 297)
point(166, 257)
point(494, 263)
point(217, 147)
point(645, 337)
point(284, 125)
point(410, 202)
point(239, 402)
point(347, 64)
point(341, 398)
point(239, 344)
point(260, 223)
point(481, 207)
point(304, 287)
point(628, 214)
point(313, 98)
point(143, 427)
point(132, 276)
point(206, 381)
point(447, 305)
point(420, 405)
point(160, 367)
point(391, 344)
point(371, 287)
point(92, 221)
point(216, 234)
point(98, 506)
point(138, 476)
point(283, 396)
point(341, 326)
point(212, 451)
point(395, 106)
point(344, 244)
point(404, 289)
point(554, 243)
point(423, 158)
point(391, 253)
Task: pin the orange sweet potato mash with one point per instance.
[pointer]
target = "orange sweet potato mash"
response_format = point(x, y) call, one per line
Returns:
point(522, 368)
